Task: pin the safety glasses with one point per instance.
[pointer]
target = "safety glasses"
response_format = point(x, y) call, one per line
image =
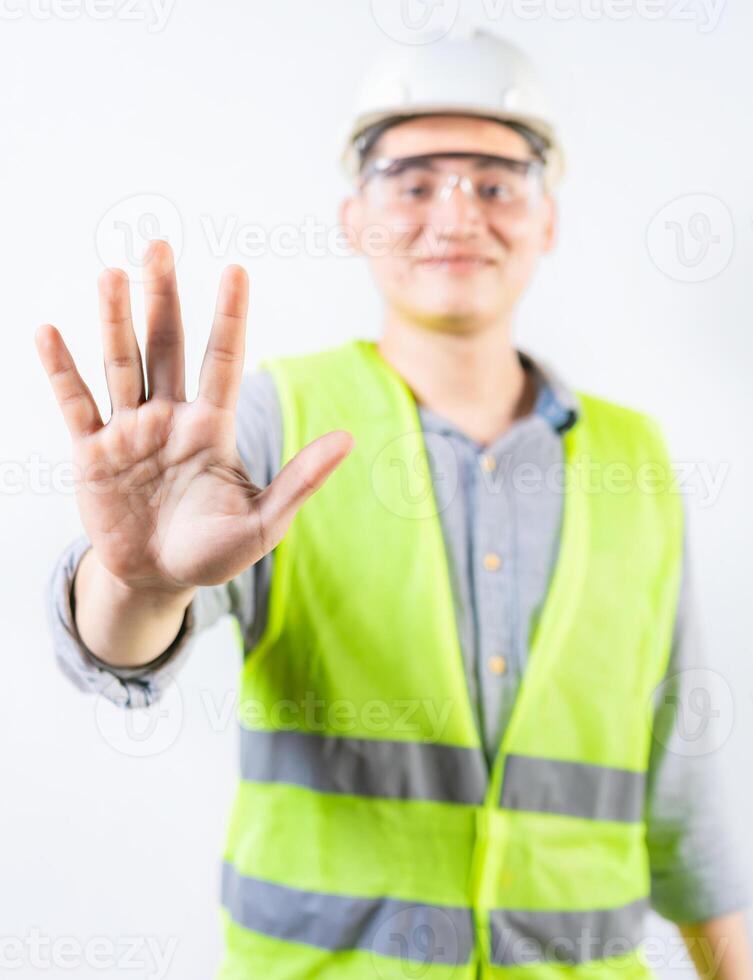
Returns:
point(412, 185)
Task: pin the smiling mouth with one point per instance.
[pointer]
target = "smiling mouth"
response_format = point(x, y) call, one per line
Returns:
point(458, 263)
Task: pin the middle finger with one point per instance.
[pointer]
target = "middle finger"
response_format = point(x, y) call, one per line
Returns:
point(165, 360)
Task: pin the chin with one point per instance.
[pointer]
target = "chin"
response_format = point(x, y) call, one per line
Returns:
point(449, 304)
point(452, 317)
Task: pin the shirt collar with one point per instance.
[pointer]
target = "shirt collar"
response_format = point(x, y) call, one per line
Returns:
point(556, 400)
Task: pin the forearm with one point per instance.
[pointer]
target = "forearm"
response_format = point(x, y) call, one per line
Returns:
point(119, 625)
point(720, 947)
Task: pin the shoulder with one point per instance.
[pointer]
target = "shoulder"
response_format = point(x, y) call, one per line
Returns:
point(597, 405)
point(314, 364)
point(617, 421)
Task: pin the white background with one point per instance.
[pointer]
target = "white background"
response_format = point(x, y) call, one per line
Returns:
point(231, 112)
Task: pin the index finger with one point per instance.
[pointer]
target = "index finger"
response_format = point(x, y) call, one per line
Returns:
point(76, 402)
point(222, 367)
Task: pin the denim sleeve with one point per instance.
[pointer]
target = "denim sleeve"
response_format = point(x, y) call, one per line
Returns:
point(693, 836)
point(259, 441)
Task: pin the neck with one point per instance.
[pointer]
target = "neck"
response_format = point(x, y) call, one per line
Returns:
point(475, 379)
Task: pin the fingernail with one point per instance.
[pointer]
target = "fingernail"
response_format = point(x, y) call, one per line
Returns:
point(149, 250)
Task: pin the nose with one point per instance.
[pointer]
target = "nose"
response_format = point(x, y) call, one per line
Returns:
point(457, 206)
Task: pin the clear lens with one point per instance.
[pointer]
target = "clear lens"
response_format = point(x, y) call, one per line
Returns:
point(415, 184)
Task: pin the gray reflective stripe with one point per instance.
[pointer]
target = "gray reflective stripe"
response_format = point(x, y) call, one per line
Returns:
point(404, 930)
point(365, 767)
point(521, 937)
point(573, 788)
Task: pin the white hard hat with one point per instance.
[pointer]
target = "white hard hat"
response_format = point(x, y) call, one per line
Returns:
point(478, 75)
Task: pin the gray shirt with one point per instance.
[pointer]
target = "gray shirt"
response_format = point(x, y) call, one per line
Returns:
point(501, 527)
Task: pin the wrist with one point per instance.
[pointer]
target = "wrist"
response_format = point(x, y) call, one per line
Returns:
point(152, 596)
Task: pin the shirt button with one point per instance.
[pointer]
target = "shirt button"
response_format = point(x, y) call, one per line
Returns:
point(492, 561)
point(497, 665)
point(488, 462)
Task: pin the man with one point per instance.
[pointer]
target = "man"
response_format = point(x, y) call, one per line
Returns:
point(454, 757)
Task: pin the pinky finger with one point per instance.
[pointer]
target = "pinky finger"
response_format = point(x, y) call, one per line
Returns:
point(76, 402)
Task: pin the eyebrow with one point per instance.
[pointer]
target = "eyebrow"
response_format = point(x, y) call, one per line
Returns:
point(425, 161)
point(394, 167)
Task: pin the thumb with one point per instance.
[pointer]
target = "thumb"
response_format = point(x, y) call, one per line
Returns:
point(298, 480)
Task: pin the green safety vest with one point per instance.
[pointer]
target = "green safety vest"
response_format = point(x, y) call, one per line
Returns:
point(368, 837)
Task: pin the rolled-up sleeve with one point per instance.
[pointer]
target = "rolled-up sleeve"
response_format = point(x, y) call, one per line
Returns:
point(696, 858)
point(259, 442)
point(129, 687)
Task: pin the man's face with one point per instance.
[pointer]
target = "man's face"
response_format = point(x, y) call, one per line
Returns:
point(455, 263)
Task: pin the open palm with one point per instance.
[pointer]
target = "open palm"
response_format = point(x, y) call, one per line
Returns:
point(162, 492)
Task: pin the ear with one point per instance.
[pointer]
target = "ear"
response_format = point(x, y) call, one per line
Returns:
point(550, 223)
point(351, 221)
